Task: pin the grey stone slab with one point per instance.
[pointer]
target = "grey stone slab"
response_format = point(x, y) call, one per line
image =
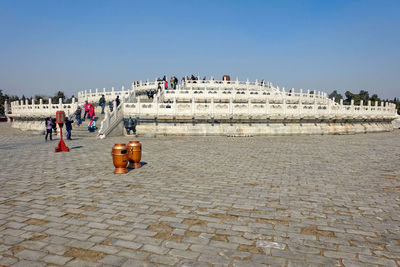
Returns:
point(56, 259)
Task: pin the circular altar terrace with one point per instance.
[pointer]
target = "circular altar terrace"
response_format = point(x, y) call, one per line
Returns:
point(222, 107)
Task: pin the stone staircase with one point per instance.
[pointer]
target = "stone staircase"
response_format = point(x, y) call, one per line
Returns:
point(82, 131)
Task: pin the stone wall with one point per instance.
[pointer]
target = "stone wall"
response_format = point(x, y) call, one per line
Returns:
point(38, 126)
point(261, 129)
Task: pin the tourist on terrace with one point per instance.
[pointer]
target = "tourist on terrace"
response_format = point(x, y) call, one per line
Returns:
point(86, 106)
point(102, 103)
point(172, 82)
point(54, 124)
point(68, 127)
point(92, 126)
point(175, 82)
point(78, 114)
point(49, 128)
point(117, 101)
point(111, 105)
point(91, 112)
point(166, 85)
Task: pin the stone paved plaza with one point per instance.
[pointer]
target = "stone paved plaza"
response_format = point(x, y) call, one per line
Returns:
point(202, 201)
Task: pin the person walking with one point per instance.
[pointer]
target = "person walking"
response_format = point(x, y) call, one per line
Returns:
point(68, 127)
point(86, 106)
point(175, 82)
point(111, 105)
point(117, 101)
point(78, 114)
point(166, 85)
point(49, 128)
point(102, 103)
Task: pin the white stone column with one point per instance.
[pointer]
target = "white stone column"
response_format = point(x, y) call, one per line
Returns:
point(329, 106)
point(212, 107)
point(193, 107)
point(6, 109)
point(315, 106)
point(300, 105)
point(284, 105)
point(174, 107)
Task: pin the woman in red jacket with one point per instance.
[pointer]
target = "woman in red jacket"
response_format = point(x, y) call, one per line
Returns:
point(91, 112)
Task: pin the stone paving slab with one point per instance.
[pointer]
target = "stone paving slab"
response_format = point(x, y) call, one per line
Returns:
point(202, 201)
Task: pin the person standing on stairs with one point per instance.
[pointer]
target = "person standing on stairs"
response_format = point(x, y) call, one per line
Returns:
point(117, 101)
point(91, 112)
point(78, 114)
point(102, 103)
point(68, 127)
point(86, 106)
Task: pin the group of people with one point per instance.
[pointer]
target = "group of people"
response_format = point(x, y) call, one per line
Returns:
point(51, 126)
point(89, 112)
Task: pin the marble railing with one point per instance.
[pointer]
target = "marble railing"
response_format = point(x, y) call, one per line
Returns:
point(32, 110)
point(267, 109)
point(94, 96)
point(243, 94)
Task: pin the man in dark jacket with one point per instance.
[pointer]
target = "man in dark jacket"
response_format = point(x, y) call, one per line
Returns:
point(117, 101)
point(102, 103)
point(68, 127)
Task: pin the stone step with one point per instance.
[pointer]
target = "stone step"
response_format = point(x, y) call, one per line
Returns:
point(82, 130)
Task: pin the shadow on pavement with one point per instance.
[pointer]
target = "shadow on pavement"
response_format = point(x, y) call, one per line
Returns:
point(76, 147)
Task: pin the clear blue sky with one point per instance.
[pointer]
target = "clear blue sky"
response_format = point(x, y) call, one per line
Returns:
point(47, 46)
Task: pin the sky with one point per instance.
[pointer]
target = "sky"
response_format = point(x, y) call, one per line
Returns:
point(74, 45)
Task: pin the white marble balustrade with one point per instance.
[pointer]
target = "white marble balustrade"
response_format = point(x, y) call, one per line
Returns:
point(32, 110)
point(267, 109)
point(93, 96)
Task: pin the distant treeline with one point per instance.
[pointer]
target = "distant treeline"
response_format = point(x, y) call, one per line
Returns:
point(362, 95)
point(36, 98)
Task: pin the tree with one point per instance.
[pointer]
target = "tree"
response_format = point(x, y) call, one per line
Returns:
point(38, 97)
point(374, 98)
point(364, 95)
point(60, 94)
point(336, 95)
point(349, 96)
